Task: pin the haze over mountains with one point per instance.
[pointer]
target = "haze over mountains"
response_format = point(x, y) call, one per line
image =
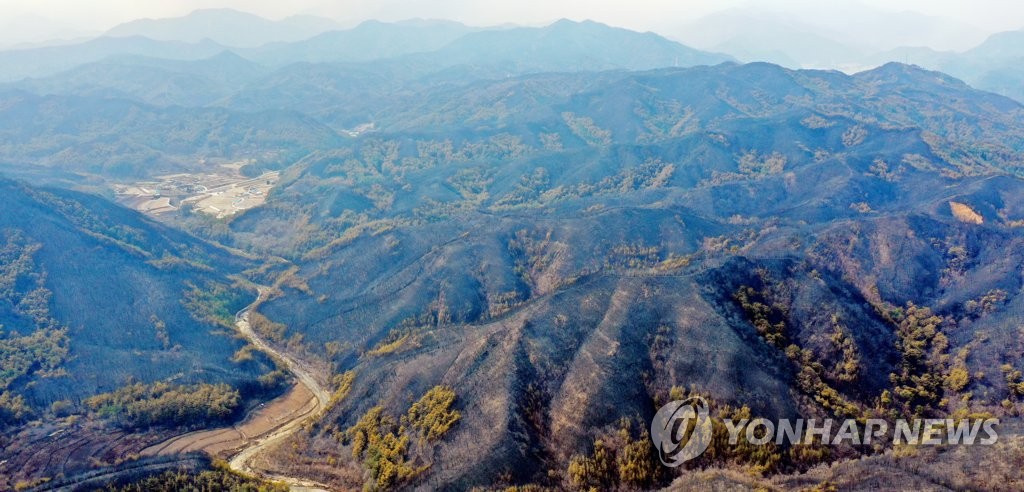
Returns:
point(24, 31)
point(745, 35)
point(227, 27)
point(851, 28)
point(497, 251)
point(993, 65)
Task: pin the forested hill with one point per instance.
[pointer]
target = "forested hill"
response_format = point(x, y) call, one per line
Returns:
point(504, 249)
point(94, 296)
point(566, 251)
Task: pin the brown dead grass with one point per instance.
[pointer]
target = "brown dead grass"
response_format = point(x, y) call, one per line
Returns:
point(298, 401)
point(965, 213)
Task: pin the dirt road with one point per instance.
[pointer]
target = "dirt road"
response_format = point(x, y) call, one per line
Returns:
point(304, 376)
point(266, 426)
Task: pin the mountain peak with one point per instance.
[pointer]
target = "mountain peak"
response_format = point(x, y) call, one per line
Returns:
point(572, 24)
point(422, 22)
point(903, 72)
point(568, 45)
point(220, 11)
point(228, 56)
point(1009, 44)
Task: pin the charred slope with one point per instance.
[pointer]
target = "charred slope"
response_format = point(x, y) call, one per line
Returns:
point(102, 296)
point(564, 255)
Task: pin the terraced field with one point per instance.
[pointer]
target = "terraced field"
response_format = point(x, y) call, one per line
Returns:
point(295, 405)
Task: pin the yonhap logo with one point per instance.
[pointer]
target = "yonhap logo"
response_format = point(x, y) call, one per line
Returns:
point(681, 430)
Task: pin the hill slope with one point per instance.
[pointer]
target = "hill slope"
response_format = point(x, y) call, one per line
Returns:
point(112, 297)
point(564, 250)
point(154, 81)
point(118, 138)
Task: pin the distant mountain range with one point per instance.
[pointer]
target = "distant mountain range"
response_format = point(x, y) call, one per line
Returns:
point(554, 230)
point(820, 35)
point(564, 45)
point(227, 27)
point(21, 31)
point(571, 46)
point(156, 81)
point(987, 63)
point(436, 46)
point(119, 137)
point(336, 75)
point(996, 65)
point(371, 40)
point(36, 62)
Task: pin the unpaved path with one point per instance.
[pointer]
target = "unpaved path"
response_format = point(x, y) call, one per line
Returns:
point(266, 426)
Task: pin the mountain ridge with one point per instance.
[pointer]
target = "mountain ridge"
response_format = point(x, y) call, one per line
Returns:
point(228, 27)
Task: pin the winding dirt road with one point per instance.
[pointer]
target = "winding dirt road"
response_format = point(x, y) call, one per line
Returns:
point(265, 427)
point(240, 462)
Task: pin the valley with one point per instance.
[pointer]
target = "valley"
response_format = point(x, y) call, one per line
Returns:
point(426, 255)
point(266, 426)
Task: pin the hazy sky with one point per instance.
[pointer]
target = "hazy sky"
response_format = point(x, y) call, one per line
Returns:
point(99, 15)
